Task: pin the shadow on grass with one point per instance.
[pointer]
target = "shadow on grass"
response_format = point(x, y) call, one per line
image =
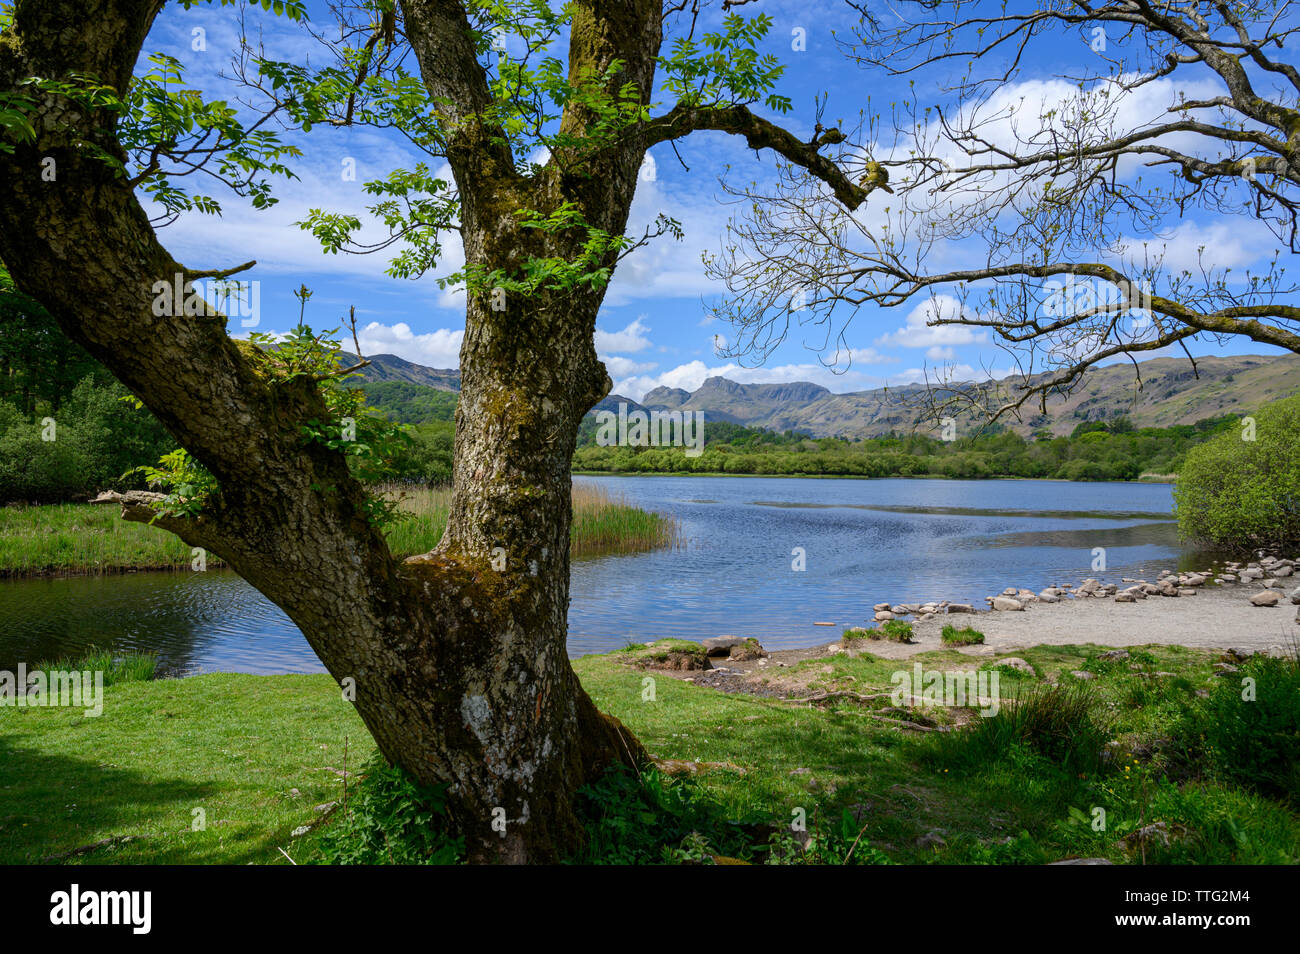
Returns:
point(52, 804)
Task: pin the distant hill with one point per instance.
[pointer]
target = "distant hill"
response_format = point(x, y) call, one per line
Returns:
point(1171, 393)
point(389, 367)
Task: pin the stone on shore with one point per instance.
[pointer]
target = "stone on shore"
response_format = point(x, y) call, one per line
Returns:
point(1007, 603)
point(1267, 598)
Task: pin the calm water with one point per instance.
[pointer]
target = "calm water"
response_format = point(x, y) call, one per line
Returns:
point(864, 541)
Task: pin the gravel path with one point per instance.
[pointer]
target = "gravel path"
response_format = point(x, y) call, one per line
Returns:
point(1215, 618)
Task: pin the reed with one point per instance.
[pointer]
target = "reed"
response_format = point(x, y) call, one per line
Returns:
point(603, 523)
point(93, 539)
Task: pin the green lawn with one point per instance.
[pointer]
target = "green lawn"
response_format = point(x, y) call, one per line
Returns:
point(238, 746)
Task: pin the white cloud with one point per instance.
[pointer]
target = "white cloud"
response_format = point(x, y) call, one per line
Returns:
point(916, 333)
point(632, 338)
point(436, 349)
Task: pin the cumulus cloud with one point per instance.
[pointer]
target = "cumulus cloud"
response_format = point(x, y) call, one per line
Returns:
point(436, 349)
point(632, 338)
point(916, 333)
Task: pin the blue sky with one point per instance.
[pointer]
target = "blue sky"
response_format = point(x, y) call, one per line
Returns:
point(653, 329)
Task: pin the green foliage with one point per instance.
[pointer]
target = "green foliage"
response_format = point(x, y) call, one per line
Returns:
point(894, 630)
point(97, 440)
point(966, 636)
point(725, 68)
point(370, 443)
point(735, 449)
point(188, 484)
point(1239, 492)
point(389, 818)
point(655, 819)
point(1060, 724)
point(1256, 741)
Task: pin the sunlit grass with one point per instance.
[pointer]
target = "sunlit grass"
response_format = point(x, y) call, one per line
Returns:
point(91, 538)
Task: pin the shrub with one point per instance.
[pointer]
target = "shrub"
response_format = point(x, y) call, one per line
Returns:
point(1256, 742)
point(392, 819)
point(1244, 493)
point(966, 636)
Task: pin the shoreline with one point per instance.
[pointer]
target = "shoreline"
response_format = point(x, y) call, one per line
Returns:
point(1173, 478)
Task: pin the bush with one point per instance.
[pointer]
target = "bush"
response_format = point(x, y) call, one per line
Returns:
point(966, 636)
point(1256, 742)
point(1244, 493)
point(391, 819)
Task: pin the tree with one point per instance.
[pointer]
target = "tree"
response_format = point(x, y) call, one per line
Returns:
point(1241, 488)
point(1065, 189)
point(456, 657)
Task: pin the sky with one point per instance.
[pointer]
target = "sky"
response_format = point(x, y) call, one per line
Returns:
point(654, 328)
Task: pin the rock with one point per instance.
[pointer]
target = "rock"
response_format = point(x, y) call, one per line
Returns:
point(1295, 595)
point(883, 616)
point(1251, 573)
point(1082, 861)
point(1006, 603)
point(1082, 674)
point(1016, 663)
point(1268, 584)
point(1155, 833)
point(721, 645)
point(931, 839)
point(1283, 571)
point(1047, 596)
point(1267, 598)
point(967, 608)
point(902, 609)
point(1186, 591)
point(749, 649)
point(880, 606)
point(1150, 589)
point(1114, 654)
point(1010, 591)
point(1125, 598)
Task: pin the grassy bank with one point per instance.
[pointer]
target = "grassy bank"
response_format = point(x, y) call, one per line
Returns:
point(89, 538)
point(259, 755)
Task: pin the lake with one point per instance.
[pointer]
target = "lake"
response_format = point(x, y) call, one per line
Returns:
point(862, 542)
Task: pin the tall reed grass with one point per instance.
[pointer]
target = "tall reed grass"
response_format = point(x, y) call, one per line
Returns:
point(92, 538)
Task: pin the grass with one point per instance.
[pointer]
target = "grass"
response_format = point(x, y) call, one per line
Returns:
point(128, 667)
point(966, 636)
point(259, 753)
point(92, 538)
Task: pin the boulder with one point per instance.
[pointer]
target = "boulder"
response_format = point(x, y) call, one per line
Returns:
point(1267, 598)
point(883, 616)
point(1125, 598)
point(721, 645)
point(1006, 603)
point(967, 608)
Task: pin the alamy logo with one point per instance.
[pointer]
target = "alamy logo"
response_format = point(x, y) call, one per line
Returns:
point(939, 688)
point(48, 688)
point(657, 429)
point(75, 906)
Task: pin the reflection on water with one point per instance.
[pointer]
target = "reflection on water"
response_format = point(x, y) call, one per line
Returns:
point(863, 541)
